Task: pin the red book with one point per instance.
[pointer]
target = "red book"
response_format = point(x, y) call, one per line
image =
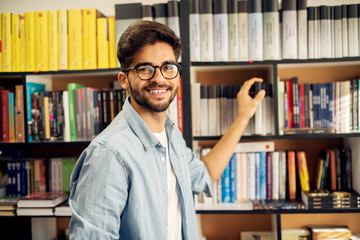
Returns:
point(302, 105)
point(291, 174)
point(289, 92)
point(4, 115)
point(180, 106)
point(269, 176)
point(42, 199)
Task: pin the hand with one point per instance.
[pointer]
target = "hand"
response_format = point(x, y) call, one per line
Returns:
point(246, 104)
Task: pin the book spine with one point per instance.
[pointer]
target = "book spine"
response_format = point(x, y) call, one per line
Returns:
point(112, 43)
point(75, 39)
point(233, 30)
point(271, 30)
point(353, 30)
point(206, 31)
point(102, 43)
point(302, 29)
point(89, 16)
point(243, 31)
point(6, 42)
point(63, 39)
point(20, 130)
point(303, 170)
point(289, 30)
point(53, 63)
point(41, 41)
point(255, 27)
point(291, 174)
point(194, 31)
point(15, 43)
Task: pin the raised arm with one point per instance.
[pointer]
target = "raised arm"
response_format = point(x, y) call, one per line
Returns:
point(219, 156)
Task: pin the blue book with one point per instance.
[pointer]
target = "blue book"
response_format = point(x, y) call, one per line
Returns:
point(11, 117)
point(331, 105)
point(262, 175)
point(233, 178)
point(31, 88)
point(225, 185)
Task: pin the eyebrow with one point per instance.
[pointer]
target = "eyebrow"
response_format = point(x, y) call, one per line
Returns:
point(149, 63)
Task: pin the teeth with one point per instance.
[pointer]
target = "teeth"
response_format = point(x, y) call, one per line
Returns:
point(157, 91)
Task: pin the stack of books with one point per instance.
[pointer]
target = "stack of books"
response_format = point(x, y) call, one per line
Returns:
point(40, 203)
point(324, 199)
point(8, 206)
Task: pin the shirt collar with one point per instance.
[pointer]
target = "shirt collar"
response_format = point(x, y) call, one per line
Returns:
point(141, 130)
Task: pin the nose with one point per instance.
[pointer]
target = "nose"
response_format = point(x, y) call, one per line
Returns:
point(158, 77)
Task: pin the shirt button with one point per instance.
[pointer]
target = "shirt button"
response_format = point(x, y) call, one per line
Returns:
point(162, 159)
point(165, 190)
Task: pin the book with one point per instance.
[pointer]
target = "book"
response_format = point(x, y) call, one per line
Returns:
point(263, 235)
point(289, 30)
point(311, 32)
point(125, 15)
point(173, 20)
point(271, 30)
point(53, 62)
point(325, 31)
point(243, 30)
point(15, 42)
point(295, 234)
point(8, 203)
point(345, 37)
point(147, 13)
point(22, 43)
point(42, 200)
point(233, 32)
point(89, 38)
point(302, 24)
point(160, 13)
point(194, 30)
point(338, 32)
point(19, 111)
point(72, 117)
point(75, 46)
point(63, 210)
point(102, 42)
point(303, 170)
point(112, 43)
point(255, 27)
point(6, 42)
point(262, 146)
point(206, 31)
point(221, 28)
point(63, 39)
point(41, 41)
point(291, 174)
point(353, 30)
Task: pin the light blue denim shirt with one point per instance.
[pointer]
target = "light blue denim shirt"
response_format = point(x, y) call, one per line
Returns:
point(119, 183)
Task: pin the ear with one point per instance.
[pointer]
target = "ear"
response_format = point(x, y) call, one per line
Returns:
point(122, 78)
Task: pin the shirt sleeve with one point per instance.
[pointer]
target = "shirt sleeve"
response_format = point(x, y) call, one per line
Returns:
point(99, 190)
point(200, 177)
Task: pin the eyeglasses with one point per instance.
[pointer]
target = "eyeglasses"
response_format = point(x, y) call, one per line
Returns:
point(147, 71)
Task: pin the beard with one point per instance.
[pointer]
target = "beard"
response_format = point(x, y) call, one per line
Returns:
point(140, 98)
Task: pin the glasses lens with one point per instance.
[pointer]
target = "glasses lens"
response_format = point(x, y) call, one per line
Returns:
point(169, 70)
point(145, 72)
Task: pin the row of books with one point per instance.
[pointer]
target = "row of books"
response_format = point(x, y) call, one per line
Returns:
point(268, 177)
point(37, 175)
point(36, 204)
point(12, 115)
point(214, 108)
point(241, 30)
point(327, 107)
point(55, 40)
point(324, 199)
point(78, 114)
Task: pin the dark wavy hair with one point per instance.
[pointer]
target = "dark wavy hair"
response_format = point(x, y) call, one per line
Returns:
point(141, 34)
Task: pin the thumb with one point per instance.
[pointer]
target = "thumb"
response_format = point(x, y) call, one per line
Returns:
point(260, 95)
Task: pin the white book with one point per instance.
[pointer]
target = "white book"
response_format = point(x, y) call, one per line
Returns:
point(194, 31)
point(282, 174)
point(302, 29)
point(250, 166)
point(257, 176)
point(289, 30)
point(233, 34)
point(338, 41)
point(243, 31)
point(325, 32)
point(311, 32)
point(271, 30)
point(35, 211)
point(173, 20)
point(317, 33)
point(353, 30)
point(255, 28)
point(248, 147)
point(147, 13)
point(213, 111)
point(196, 109)
point(243, 177)
point(66, 116)
point(344, 21)
point(204, 115)
point(238, 176)
point(221, 27)
point(275, 175)
point(281, 106)
point(206, 31)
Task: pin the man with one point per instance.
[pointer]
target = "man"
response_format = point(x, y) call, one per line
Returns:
point(136, 179)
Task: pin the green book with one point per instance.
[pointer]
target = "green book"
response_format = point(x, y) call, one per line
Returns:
point(71, 87)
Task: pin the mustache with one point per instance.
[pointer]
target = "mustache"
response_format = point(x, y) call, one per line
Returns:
point(155, 85)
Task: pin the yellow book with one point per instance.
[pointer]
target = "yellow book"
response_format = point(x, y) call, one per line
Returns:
point(30, 41)
point(41, 41)
point(53, 41)
point(89, 17)
point(6, 42)
point(103, 43)
point(63, 39)
point(22, 43)
point(112, 43)
point(75, 39)
point(46, 116)
point(15, 43)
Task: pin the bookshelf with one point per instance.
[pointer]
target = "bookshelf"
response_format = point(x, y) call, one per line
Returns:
point(217, 224)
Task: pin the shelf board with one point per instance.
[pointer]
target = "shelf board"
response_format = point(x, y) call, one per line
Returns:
point(43, 144)
point(279, 211)
point(62, 72)
point(287, 136)
point(285, 61)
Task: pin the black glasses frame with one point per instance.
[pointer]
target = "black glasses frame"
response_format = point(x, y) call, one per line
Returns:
point(136, 67)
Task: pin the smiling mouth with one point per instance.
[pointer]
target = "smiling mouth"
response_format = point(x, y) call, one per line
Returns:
point(157, 91)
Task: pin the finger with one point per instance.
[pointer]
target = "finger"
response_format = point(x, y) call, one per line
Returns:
point(247, 85)
point(260, 95)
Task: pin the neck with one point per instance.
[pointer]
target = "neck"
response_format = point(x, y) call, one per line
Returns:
point(154, 120)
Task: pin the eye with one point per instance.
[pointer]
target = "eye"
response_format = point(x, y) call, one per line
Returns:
point(146, 69)
point(169, 67)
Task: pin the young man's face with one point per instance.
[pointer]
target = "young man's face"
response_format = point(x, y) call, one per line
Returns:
point(157, 93)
